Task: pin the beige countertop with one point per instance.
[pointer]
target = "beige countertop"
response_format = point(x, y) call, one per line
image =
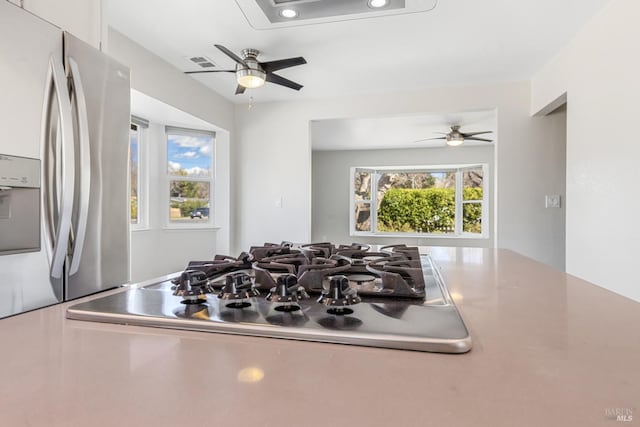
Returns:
point(548, 350)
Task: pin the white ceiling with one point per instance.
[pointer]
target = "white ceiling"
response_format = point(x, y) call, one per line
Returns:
point(460, 42)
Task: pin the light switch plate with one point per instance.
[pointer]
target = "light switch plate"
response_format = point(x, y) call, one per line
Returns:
point(552, 201)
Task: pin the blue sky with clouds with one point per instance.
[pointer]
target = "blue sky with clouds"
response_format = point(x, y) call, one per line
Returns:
point(192, 153)
point(133, 136)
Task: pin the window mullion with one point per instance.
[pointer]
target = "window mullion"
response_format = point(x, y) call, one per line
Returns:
point(485, 201)
point(373, 204)
point(458, 204)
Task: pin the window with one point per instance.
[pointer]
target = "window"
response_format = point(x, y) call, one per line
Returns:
point(137, 206)
point(190, 175)
point(421, 201)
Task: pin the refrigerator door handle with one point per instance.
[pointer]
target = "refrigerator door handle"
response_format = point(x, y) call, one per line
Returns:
point(48, 160)
point(78, 99)
point(59, 166)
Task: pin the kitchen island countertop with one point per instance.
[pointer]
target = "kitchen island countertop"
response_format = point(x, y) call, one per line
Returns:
point(548, 349)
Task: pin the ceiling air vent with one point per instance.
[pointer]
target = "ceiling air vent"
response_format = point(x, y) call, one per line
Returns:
point(202, 61)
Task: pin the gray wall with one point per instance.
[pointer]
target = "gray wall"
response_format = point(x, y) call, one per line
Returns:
point(330, 189)
point(554, 168)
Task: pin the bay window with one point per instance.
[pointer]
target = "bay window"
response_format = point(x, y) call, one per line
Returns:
point(434, 201)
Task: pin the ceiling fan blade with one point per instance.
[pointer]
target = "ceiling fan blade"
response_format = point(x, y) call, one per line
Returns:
point(477, 139)
point(279, 80)
point(280, 64)
point(240, 89)
point(466, 134)
point(231, 55)
point(431, 139)
point(209, 71)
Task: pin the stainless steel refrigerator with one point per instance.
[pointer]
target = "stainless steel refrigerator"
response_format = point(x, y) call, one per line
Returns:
point(64, 113)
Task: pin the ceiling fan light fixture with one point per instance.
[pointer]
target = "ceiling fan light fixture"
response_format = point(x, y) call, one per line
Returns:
point(289, 13)
point(376, 4)
point(454, 140)
point(250, 78)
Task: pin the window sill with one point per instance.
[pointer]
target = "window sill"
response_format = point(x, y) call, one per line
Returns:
point(194, 227)
point(422, 236)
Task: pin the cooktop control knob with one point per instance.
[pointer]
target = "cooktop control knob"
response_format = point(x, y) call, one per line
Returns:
point(193, 286)
point(238, 286)
point(339, 295)
point(287, 292)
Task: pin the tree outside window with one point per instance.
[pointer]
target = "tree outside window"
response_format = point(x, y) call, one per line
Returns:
point(419, 201)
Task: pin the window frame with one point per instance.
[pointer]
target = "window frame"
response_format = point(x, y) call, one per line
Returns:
point(459, 202)
point(142, 128)
point(209, 223)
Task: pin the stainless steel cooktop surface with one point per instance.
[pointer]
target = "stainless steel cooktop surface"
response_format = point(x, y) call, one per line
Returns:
point(337, 315)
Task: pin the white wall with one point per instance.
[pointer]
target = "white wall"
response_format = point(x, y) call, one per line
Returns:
point(600, 73)
point(157, 78)
point(159, 250)
point(272, 159)
point(82, 18)
point(331, 175)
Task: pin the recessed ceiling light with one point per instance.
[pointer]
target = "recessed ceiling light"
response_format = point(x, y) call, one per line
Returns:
point(267, 14)
point(289, 13)
point(378, 3)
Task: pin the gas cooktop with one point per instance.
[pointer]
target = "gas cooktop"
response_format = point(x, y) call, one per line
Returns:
point(391, 297)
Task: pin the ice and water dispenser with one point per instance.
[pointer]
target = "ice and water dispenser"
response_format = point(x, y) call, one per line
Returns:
point(19, 204)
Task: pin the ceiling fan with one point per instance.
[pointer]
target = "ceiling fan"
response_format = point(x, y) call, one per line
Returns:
point(251, 73)
point(455, 137)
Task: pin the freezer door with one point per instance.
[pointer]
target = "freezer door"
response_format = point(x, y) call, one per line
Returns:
point(27, 44)
point(100, 98)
